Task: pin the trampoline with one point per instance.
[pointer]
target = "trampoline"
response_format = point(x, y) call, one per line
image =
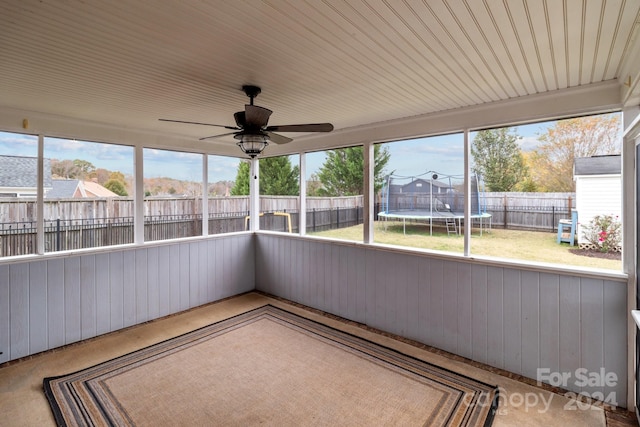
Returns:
point(432, 197)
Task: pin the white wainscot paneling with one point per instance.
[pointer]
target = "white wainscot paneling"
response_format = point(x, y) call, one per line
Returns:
point(59, 300)
point(519, 320)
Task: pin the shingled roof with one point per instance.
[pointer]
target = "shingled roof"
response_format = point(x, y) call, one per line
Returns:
point(598, 165)
point(22, 172)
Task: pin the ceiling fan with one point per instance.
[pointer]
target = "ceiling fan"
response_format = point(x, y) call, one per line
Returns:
point(251, 128)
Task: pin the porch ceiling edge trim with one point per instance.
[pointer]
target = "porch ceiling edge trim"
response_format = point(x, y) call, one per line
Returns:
point(72, 128)
point(582, 100)
point(588, 99)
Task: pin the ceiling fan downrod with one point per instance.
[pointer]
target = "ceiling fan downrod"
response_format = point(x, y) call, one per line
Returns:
point(251, 91)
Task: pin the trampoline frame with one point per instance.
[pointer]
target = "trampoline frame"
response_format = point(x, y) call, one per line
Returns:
point(430, 214)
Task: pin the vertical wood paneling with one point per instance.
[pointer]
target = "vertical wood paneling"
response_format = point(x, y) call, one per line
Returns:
point(55, 302)
point(514, 319)
point(116, 290)
point(211, 270)
point(378, 319)
point(512, 299)
point(5, 312)
point(450, 306)
point(425, 332)
point(570, 323)
point(194, 273)
point(185, 277)
point(464, 312)
point(414, 293)
point(164, 290)
point(518, 320)
point(495, 317)
point(615, 314)
point(103, 293)
point(220, 263)
point(550, 321)
point(227, 268)
point(400, 271)
point(436, 303)
point(153, 287)
point(327, 285)
point(19, 300)
point(530, 288)
point(72, 314)
point(592, 328)
point(88, 305)
point(38, 307)
point(129, 287)
point(479, 320)
point(142, 301)
point(174, 279)
point(205, 292)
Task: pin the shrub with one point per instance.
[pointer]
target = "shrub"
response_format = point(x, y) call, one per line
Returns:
point(603, 231)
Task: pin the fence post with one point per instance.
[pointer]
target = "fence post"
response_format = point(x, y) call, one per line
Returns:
point(570, 205)
point(337, 217)
point(505, 212)
point(58, 234)
point(553, 218)
point(313, 217)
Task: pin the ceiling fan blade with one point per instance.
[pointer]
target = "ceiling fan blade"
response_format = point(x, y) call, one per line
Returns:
point(310, 127)
point(256, 116)
point(198, 123)
point(240, 119)
point(278, 139)
point(217, 136)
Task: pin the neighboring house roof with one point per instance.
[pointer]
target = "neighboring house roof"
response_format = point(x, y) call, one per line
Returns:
point(22, 172)
point(93, 189)
point(598, 165)
point(73, 188)
point(62, 189)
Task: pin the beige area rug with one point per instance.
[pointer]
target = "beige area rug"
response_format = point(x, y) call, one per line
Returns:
point(268, 367)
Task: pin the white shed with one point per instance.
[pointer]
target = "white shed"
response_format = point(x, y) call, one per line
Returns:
point(598, 188)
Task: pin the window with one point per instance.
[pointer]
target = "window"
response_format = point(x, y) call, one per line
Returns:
point(548, 185)
point(18, 186)
point(280, 193)
point(420, 194)
point(88, 194)
point(172, 194)
point(335, 184)
point(227, 212)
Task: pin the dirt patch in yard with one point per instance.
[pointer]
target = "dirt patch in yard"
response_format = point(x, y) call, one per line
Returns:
point(596, 254)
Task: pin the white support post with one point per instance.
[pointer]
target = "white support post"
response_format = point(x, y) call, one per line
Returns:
point(254, 195)
point(205, 195)
point(40, 198)
point(138, 199)
point(467, 194)
point(368, 196)
point(302, 215)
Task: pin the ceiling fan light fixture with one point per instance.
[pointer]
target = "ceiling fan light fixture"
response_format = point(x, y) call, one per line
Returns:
point(251, 144)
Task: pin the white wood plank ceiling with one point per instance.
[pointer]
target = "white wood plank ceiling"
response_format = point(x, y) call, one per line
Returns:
point(352, 63)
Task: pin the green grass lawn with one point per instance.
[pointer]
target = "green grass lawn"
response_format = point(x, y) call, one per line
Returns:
point(513, 244)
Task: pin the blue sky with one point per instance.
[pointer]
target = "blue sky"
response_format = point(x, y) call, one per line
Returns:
point(443, 154)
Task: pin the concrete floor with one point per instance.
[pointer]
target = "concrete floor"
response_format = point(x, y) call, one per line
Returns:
point(22, 402)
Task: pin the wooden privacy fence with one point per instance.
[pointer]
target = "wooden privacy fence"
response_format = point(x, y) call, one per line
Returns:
point(528, 211)
point(168, 218)
point(60, 235)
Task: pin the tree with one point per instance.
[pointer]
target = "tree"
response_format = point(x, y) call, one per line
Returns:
point(567, 140)
point(241, 185)
point(277, 177)
point(72, 169)
point(116, 186)
point(342, 173)
point(498, 160)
